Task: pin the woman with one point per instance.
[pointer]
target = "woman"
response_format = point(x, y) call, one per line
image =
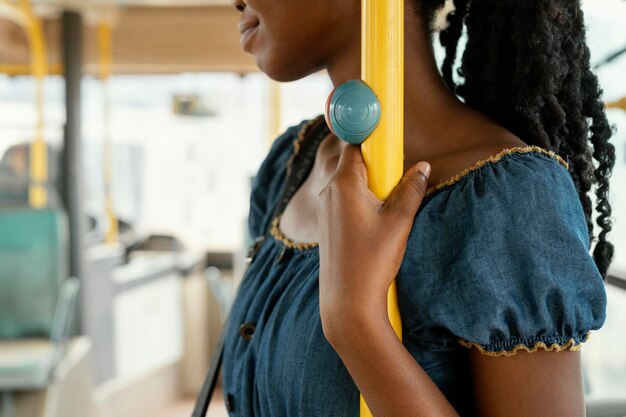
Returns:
point(496, 286)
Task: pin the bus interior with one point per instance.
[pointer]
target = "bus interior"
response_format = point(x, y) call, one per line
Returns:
point(130, 131)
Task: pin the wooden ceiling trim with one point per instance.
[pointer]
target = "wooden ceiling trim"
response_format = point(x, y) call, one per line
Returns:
point(149, 40)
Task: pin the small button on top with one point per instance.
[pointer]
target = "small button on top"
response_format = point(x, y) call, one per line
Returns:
point(246, 330)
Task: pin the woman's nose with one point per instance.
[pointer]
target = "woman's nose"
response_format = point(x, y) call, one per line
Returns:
point(240, 5)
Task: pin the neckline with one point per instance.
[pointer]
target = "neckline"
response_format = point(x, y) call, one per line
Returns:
point(280, 237)
point(494, 160)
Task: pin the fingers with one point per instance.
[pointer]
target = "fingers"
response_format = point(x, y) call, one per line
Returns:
point(351, 163)
point(406, 198)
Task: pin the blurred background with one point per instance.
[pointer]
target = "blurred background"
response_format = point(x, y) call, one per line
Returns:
point(129, 134)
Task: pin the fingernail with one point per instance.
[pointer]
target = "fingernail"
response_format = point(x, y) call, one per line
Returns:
point(424, 168)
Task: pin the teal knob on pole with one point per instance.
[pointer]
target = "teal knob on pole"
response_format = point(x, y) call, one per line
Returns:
point(352, 111)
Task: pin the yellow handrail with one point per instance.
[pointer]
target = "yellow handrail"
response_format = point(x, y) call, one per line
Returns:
point(619, 104)
point(37, 194)
point(23, 16)
point(26, 69)
point(105, 49)
point(382, 68)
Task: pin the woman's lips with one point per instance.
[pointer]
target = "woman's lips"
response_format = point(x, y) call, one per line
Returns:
point(245, 25)
point(246, 28)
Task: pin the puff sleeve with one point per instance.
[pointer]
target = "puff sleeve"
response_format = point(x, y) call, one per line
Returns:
point(504, 264)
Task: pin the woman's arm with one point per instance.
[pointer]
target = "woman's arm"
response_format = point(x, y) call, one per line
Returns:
point(394, 384)
point(388, 377)
point(540, 383)
point(362, 243)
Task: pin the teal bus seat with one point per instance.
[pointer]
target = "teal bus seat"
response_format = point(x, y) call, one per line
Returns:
point(33, 266)
point(28, 364)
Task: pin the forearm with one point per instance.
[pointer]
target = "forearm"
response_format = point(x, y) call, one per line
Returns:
point(388, 377)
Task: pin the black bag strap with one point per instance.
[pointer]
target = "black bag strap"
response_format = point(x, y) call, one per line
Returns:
point(300, 165)
point(206, 392)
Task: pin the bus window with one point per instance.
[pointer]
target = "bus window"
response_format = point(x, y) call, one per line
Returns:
point(604, 357)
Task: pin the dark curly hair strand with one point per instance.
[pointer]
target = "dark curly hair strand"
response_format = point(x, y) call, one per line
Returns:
point(527, 66)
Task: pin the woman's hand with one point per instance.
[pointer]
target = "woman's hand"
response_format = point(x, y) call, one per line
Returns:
point(362, 240)
point(362, 243)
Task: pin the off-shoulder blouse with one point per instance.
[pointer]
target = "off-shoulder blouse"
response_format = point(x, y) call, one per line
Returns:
point(497, 260)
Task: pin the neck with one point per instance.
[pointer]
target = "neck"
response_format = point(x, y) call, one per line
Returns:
point(429, 104)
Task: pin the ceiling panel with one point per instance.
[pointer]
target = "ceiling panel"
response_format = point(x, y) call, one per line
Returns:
point(98, 10)
point(99, 3)
point(148, 40)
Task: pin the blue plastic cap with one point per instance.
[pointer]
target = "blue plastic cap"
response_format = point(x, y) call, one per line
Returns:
point(353, 111)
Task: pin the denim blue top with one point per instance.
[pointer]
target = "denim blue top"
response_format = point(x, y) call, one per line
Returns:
point(498, 259)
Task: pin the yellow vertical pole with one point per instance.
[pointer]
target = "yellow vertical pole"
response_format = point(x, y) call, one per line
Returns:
point(105, 49)
point(382, 68)
point(37, 194)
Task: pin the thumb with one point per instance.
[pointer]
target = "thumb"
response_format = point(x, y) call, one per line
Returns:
point(406, 198)
point(351, 163)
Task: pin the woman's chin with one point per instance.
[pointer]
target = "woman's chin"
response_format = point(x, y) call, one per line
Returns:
point(280, 71)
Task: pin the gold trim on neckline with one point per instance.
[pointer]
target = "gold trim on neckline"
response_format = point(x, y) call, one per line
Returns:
point(494, 160)
point(297, 144)
point(280, 236)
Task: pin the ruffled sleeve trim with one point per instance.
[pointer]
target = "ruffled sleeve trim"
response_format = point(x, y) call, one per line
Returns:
point(510, 348)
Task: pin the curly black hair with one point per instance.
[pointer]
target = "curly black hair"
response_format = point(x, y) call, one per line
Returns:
point(526, 65)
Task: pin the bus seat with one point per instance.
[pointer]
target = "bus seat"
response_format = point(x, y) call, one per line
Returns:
point(29, 364)
point(33, 265)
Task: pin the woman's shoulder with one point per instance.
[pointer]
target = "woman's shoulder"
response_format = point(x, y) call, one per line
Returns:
point(507, 168)
point(518, 190)
point(499, 256)
point(513, 186)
